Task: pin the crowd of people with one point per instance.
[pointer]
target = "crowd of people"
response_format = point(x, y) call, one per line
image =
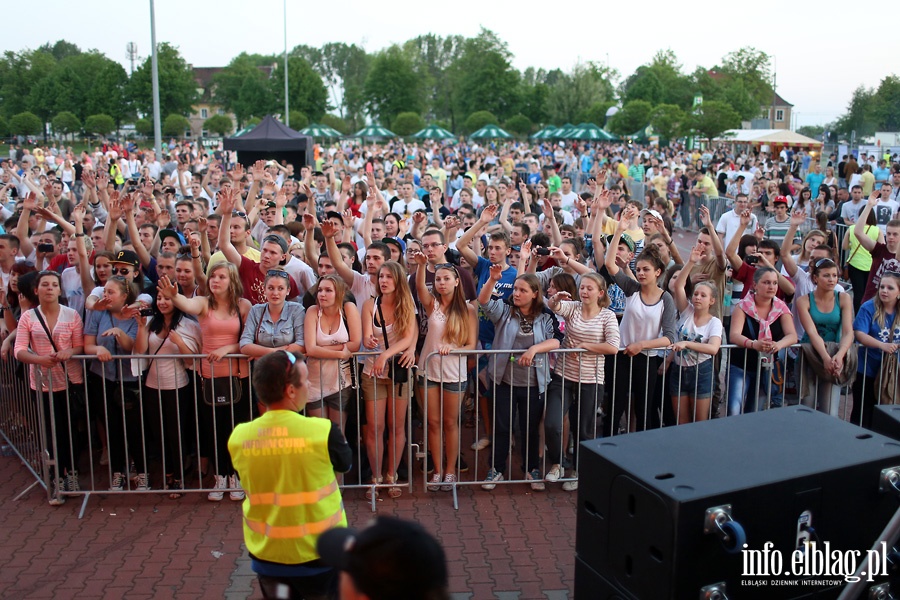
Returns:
point(543, 260)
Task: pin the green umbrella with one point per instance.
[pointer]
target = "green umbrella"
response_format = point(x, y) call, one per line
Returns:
point(433, 132)
point(544, 133)
point(243, 131)
point(374, 131)
point(320, 131)
point(490, 132)
point(589, 132)
point(563, 132)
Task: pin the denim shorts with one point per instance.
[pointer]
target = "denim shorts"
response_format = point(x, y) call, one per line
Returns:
point(336, 401)
point(691, 381)
point(454, 386)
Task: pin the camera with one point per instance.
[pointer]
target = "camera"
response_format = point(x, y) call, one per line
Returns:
point(542, 251)
point(45, 248)
point(752, 260)
point(146, 312)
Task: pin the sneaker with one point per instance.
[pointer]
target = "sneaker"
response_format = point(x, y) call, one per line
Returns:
point(118, 482)
point(537, 482)
point(237, 494)
point(221, 484)
point(56, 486)
point(72, 484)
point(104, 458)
point(449, 480)
point(571, 486)
point(141, 482)
point(434, 484)
point(493, 476)
point(463, 465)
point(481, 444)
point(553, 475)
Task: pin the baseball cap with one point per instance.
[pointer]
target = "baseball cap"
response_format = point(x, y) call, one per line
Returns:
point(127, 257)
point(780, 200)
point(390, 559)
point(625, 239)
point(395, 242)
point(653, 213)
point(170, 233)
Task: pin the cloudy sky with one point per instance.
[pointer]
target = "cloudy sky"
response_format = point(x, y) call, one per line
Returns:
point(817, 79)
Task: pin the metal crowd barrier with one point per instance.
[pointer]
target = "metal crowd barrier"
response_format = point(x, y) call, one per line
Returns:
point(172, 432)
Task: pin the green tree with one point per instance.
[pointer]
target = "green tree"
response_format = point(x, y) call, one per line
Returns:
point(432, 57)
point(344, 69)
point(392, 86)
point(253, 122)
point(175, 125)
point(643, 85)
point(479, 119)
point(100, 124)
point(669, 120)
point(633, 116)
point(661, 81)
point(144, 127)
point(4, 127)
point(407, 123)
point(484, 77)
point(886, 104)
point(519, 124)
point(575, 92)
point(595, 113)
point(177, 87)
point(746, 79)
point(860, 116)
point(218, 124)
point(298, 120)
point(336, 123)
point(61, 49)
point(812, 131)
point(109, 92)
point(65, 123)
point(243, 88)
point(534, 101)
point(306, 91)
point(20, 72)
point(25, 123)
point(713, 118)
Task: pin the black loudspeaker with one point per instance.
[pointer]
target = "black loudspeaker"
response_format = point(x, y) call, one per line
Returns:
point(660, 513)
point(886, 420)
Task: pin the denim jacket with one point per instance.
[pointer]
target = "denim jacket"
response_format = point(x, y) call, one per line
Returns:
point(506, 325)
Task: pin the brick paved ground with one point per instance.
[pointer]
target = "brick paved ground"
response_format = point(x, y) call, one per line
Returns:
point(506, 544)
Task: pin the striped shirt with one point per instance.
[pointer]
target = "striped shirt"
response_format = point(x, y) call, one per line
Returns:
point(68, 333)
point(585, 367)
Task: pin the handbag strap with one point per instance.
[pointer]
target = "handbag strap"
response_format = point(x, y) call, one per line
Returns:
point(158, 348)
point(383, 324)
point(40, 317)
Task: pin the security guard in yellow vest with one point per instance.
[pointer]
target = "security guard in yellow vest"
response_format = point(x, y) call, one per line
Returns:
point(116, 173)
point(287, 464)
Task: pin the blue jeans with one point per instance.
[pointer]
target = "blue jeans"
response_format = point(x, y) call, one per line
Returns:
point(744, 388)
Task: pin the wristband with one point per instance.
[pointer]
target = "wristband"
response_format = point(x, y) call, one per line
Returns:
point(195, 257)
point(80, 235)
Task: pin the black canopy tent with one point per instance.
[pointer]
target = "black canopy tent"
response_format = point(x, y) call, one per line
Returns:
point(272, 140)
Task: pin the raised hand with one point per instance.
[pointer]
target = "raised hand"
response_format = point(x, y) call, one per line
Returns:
point(696, 254)
point(705, 217)
point(419, 258)
point(348, 218)
point(31, 202)
point(309, 221)
point(329, 229)
point(489, 213)
point(419, 217)
point(227, 199)
point(166, 287)
point(496, 273)
point(202, 225)
point(798, 217)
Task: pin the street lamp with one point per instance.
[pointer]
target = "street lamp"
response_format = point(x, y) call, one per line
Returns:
point(154, 75)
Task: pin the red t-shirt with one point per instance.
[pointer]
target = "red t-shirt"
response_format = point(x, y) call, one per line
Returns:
point(745, 276)
point(254, 282)
point(882, 260)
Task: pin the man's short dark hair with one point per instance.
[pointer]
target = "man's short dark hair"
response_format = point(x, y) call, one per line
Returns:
point(501, 236)
point(436, 232)
point(517, 206)
point(381, 247)
point(272, 373)
point(526, 230)
point(13, 240)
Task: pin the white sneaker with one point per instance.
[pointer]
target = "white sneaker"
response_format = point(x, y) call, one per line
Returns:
point(237, 493)
point(553, 475)
point(72, 484)
point(221, 484)
point(141, 482)
point(490, 482)
point(435, 483)
point(118, 482)
point(571, 486)
point(481, 444)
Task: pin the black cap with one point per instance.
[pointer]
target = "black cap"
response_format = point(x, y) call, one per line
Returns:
point(170, 233)
point(391, 559)
point(277, 239)
point(127, 257)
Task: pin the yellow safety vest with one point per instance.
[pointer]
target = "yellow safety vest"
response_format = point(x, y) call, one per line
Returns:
point(116, 173)
point(292, 494)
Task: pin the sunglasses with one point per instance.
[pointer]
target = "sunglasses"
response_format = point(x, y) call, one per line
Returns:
point(123, 272)
point(237, 213)
point(276, 273)
point(292, 360)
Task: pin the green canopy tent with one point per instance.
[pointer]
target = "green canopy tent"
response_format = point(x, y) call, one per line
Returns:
point(589, 132)
point(643, 135)
point(433, 132)
point(320, 131)
point(544, 133)
point(489, 132)
point(562, 133)
point(374, 131)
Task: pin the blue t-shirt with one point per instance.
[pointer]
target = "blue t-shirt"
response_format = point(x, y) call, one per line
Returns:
point(99, 321)
point(814, 180)
point(882, 174)
point(870, 358)
point(587, 161)
point(534, 178)
point(502, 290)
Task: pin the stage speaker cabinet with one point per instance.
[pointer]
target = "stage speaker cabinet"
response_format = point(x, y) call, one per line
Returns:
point(886, 420)
point(665, 514)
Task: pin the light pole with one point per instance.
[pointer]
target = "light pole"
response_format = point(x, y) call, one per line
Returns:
point(154, 75)
point(287, 114)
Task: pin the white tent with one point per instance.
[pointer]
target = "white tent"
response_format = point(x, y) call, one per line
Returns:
point(769, 137)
